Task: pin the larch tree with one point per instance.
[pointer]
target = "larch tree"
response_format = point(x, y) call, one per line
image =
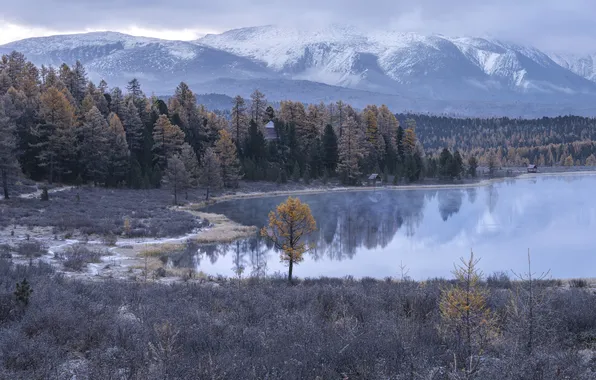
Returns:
point(466, 317)
point(8, 146)
point(94, 147)
point(56, 109)
point(228, 158)
point(288, 229)
point(350, 152)
point(239, 121)
point(167, 141)
point(56, 139)
point(176, 176)
point(117, 153)
point(258, 106)
point(210, 172)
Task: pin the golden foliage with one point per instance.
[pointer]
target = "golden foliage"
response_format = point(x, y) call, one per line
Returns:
point(464, 310)
point(288, 227)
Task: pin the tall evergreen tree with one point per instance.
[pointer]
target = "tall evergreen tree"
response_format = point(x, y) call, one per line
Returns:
point(8, 145)
point(94, 145)
point(350, 152)
point(239, 121)
point(228, 158)
point(330, 150)
point(117, 153)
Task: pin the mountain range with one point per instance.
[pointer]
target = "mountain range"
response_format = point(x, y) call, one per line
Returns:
point(406, 71)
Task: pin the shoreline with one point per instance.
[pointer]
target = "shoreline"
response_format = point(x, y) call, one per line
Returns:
point(481, 183)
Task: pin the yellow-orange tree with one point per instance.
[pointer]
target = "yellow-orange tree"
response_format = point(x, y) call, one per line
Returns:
point(288, 227)
point(466, 315)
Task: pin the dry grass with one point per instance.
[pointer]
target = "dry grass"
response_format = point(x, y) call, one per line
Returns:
point(160, 249)
point(223, 230)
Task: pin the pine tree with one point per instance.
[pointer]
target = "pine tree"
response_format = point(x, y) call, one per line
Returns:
point(177, 176)
point(94, 145)
point(117, 153)
point(228, 158)
point(210, 172)
point(8, 146)
point(168, 139)
point(117, 103)
point(330, 155)
point(350, 152)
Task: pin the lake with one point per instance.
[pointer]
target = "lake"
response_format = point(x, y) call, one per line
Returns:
point(376, 233)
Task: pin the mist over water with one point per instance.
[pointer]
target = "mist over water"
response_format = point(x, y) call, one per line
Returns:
point(371, 233)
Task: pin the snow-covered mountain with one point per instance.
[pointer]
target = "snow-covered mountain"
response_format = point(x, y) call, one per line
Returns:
point(160, 65)
point(583, 65)
point(407, 71)
point(434, 65)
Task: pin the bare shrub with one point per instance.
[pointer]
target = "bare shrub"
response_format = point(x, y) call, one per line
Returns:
point(76, 257)
point(578, 283)
point(32, 249)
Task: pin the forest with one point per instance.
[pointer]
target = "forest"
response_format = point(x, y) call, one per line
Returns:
point(58, 126)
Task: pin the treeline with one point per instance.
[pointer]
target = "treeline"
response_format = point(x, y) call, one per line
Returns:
point(564, 140)
point(57, 125)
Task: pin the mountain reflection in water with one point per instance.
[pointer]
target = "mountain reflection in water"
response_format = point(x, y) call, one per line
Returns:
point(369, 233)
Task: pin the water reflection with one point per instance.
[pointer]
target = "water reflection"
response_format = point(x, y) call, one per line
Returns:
point(367, 233)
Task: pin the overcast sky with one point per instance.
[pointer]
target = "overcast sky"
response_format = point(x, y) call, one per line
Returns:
point(547, 24)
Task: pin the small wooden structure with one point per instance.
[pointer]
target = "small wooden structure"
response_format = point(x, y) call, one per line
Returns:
point(270, 133)
point(532, 169)
point(372, 179)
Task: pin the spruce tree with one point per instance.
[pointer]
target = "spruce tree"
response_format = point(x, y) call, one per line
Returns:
point(239, 121)
point(330, 154)
point(8, 146)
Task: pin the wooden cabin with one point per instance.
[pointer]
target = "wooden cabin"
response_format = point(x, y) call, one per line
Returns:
point(372, 179)
point(532, 169)
point(270, 132)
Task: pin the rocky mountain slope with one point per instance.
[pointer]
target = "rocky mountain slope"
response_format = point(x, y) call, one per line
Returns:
point(408, 71)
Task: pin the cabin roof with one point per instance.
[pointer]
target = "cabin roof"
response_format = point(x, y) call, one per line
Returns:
point(373, 176)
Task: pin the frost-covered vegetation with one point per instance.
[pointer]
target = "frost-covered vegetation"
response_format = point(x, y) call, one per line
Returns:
point(88, 210)
point(266, 329)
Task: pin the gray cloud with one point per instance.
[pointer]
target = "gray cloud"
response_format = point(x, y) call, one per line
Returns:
point(548, 24)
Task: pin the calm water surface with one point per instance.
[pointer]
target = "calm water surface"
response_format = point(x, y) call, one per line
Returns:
point(370, 233)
